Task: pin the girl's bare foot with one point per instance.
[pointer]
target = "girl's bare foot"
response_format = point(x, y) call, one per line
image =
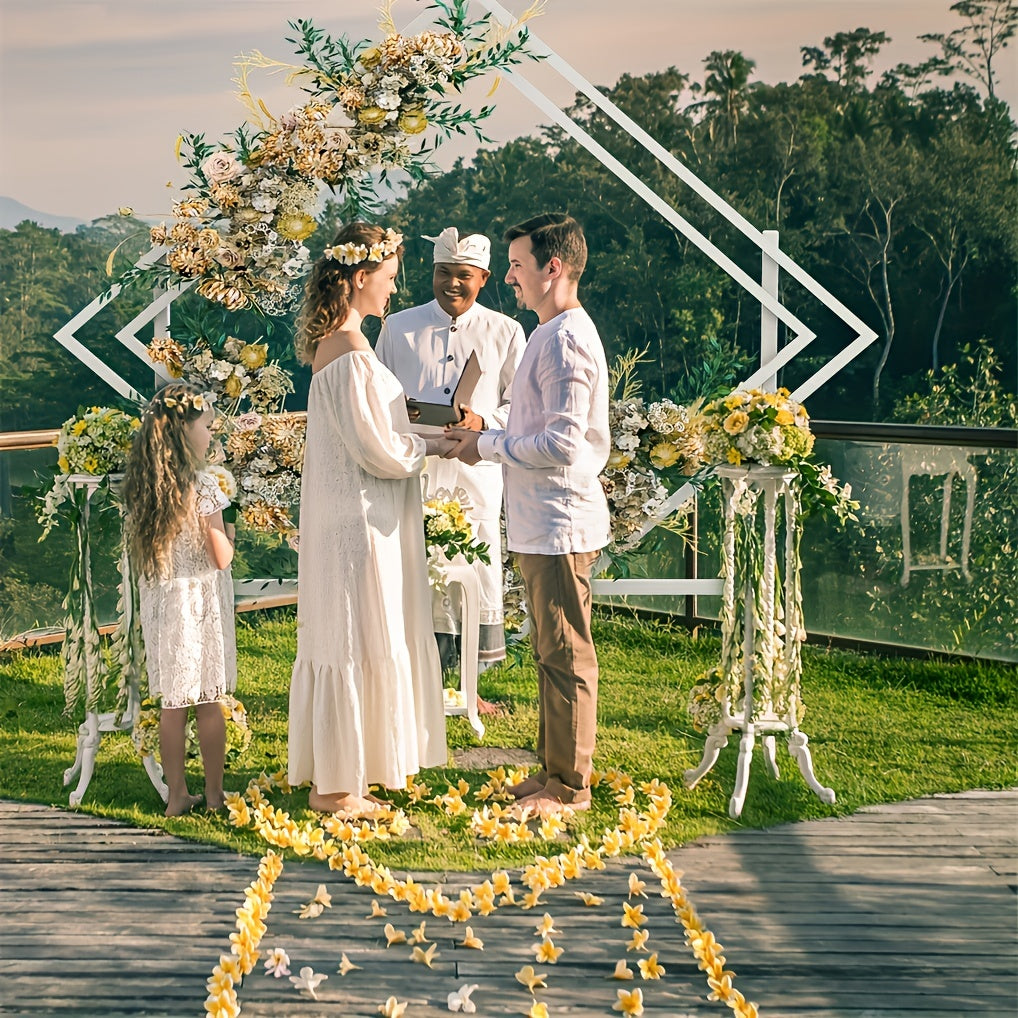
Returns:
point(216, 800)
point(178, 807)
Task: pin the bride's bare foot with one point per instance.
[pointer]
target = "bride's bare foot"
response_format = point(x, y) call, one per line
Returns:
point(377, 801)
point(346, 803)
point(178, 807)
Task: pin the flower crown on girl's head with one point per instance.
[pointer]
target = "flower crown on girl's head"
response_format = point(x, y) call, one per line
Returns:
point(200, 401)
point(353, 254)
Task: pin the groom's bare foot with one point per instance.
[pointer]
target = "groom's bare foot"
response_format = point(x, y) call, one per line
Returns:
point(542, 804)
point(528, 786)
point(178, 807)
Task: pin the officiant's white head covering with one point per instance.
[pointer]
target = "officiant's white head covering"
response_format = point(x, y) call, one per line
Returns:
point(474, 249)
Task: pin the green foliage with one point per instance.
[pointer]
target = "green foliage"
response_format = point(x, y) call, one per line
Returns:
point(863, 715)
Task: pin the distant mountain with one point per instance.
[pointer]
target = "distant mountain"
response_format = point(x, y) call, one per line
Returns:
point(13, 212)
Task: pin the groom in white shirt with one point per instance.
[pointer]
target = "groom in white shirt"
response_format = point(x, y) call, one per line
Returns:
point(553, 448)
point(426, 348)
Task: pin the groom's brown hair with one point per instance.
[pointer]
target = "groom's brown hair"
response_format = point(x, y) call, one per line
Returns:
point(554, 235)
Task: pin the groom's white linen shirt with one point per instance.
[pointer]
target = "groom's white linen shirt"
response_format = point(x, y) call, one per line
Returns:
point(556, 441)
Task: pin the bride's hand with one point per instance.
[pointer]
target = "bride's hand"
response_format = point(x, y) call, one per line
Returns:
point(437, 445)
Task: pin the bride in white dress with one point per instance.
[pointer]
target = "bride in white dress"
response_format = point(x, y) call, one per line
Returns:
point(366, 692)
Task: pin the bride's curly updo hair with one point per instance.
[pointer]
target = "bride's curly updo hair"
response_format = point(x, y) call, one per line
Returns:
point(329, 288)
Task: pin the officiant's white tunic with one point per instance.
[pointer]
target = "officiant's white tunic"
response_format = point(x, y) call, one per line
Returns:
point(366, 692)
point(427, 351)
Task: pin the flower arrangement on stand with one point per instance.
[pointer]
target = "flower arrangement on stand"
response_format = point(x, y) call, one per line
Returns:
point(761, 446)
point(239, 232)
point(92, 449)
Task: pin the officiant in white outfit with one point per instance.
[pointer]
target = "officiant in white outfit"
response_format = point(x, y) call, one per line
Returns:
point(426, 348)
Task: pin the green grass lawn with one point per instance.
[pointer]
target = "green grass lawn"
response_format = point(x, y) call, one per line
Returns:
point(880, 730)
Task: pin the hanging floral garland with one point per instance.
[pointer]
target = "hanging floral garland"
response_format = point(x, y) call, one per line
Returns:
point(249, 204)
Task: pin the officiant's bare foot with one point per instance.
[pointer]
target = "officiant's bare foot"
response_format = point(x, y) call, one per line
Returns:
point(178, 807)
point(346, 804)
point(528, 786)
point(486, 707)
point(542, 804)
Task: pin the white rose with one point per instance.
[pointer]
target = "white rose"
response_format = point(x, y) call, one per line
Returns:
point(221, 167)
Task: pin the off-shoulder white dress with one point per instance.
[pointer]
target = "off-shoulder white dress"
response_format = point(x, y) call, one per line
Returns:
point(366, 691)
point(187, 615)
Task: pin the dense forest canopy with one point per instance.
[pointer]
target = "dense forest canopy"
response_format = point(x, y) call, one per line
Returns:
point(897, 192)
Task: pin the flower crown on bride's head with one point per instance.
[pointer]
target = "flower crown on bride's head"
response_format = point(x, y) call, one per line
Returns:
point(353, 254)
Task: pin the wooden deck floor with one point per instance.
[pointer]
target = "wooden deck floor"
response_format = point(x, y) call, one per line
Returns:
point(904, 910)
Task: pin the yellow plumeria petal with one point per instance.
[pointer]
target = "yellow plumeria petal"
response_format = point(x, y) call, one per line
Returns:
point(530, 979)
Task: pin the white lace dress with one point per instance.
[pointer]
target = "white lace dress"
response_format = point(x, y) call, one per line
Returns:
point(187, 617)
point(366, 692)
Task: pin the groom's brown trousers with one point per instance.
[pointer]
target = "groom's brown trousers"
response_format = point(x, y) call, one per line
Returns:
point(559, 602)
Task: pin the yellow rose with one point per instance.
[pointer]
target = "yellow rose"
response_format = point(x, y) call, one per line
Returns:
point(735, 422)
point(295, 226)
point(734, 456)
point(254, 355)
point(371, 115)
point(785, 417)
point(733, 402)
point(371, 57)
point(233, 387)
point(412, 121)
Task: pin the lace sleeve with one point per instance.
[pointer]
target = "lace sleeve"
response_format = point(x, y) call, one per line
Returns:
point(208, 495)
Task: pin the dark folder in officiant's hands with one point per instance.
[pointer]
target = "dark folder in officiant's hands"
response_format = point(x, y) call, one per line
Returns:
point(440, 414)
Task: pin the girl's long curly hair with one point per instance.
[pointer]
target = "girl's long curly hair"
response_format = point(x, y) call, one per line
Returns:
point(158, 487)
point(329, 288)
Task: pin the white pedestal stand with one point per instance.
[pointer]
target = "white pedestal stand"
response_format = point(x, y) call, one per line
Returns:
point(768, 663)
point(95, 725)
point(460, 573)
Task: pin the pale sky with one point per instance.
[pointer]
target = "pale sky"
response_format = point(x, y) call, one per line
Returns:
point(93, 93)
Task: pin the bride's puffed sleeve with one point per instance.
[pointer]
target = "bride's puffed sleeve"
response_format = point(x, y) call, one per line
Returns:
point(363, 407)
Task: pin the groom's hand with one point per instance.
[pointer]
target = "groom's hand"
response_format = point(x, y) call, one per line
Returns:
point(465, 448)
point(469, 420)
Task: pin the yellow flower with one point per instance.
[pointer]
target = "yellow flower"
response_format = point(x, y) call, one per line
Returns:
point(392, 1008)
point(295, 226)
point(371, 115)
point(622, 970)
point(636, 886)
point(589, 899)
point(254, 355)
point(64, 464)
point(393, 936)
point(546, 927)
point(734, 456)
point(371, 57)
point(638, 940)
point(423, 957)
point(784, 417)
point(412, 121)
point(233, 387)
point(633, 917)
point(469, 940)
point(529, 978)
point(650, 969)
point(546, 952)
point(664, 454)
point(629, 1003)
point(345, 965)
point(735, 423)
point(538, 1010)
